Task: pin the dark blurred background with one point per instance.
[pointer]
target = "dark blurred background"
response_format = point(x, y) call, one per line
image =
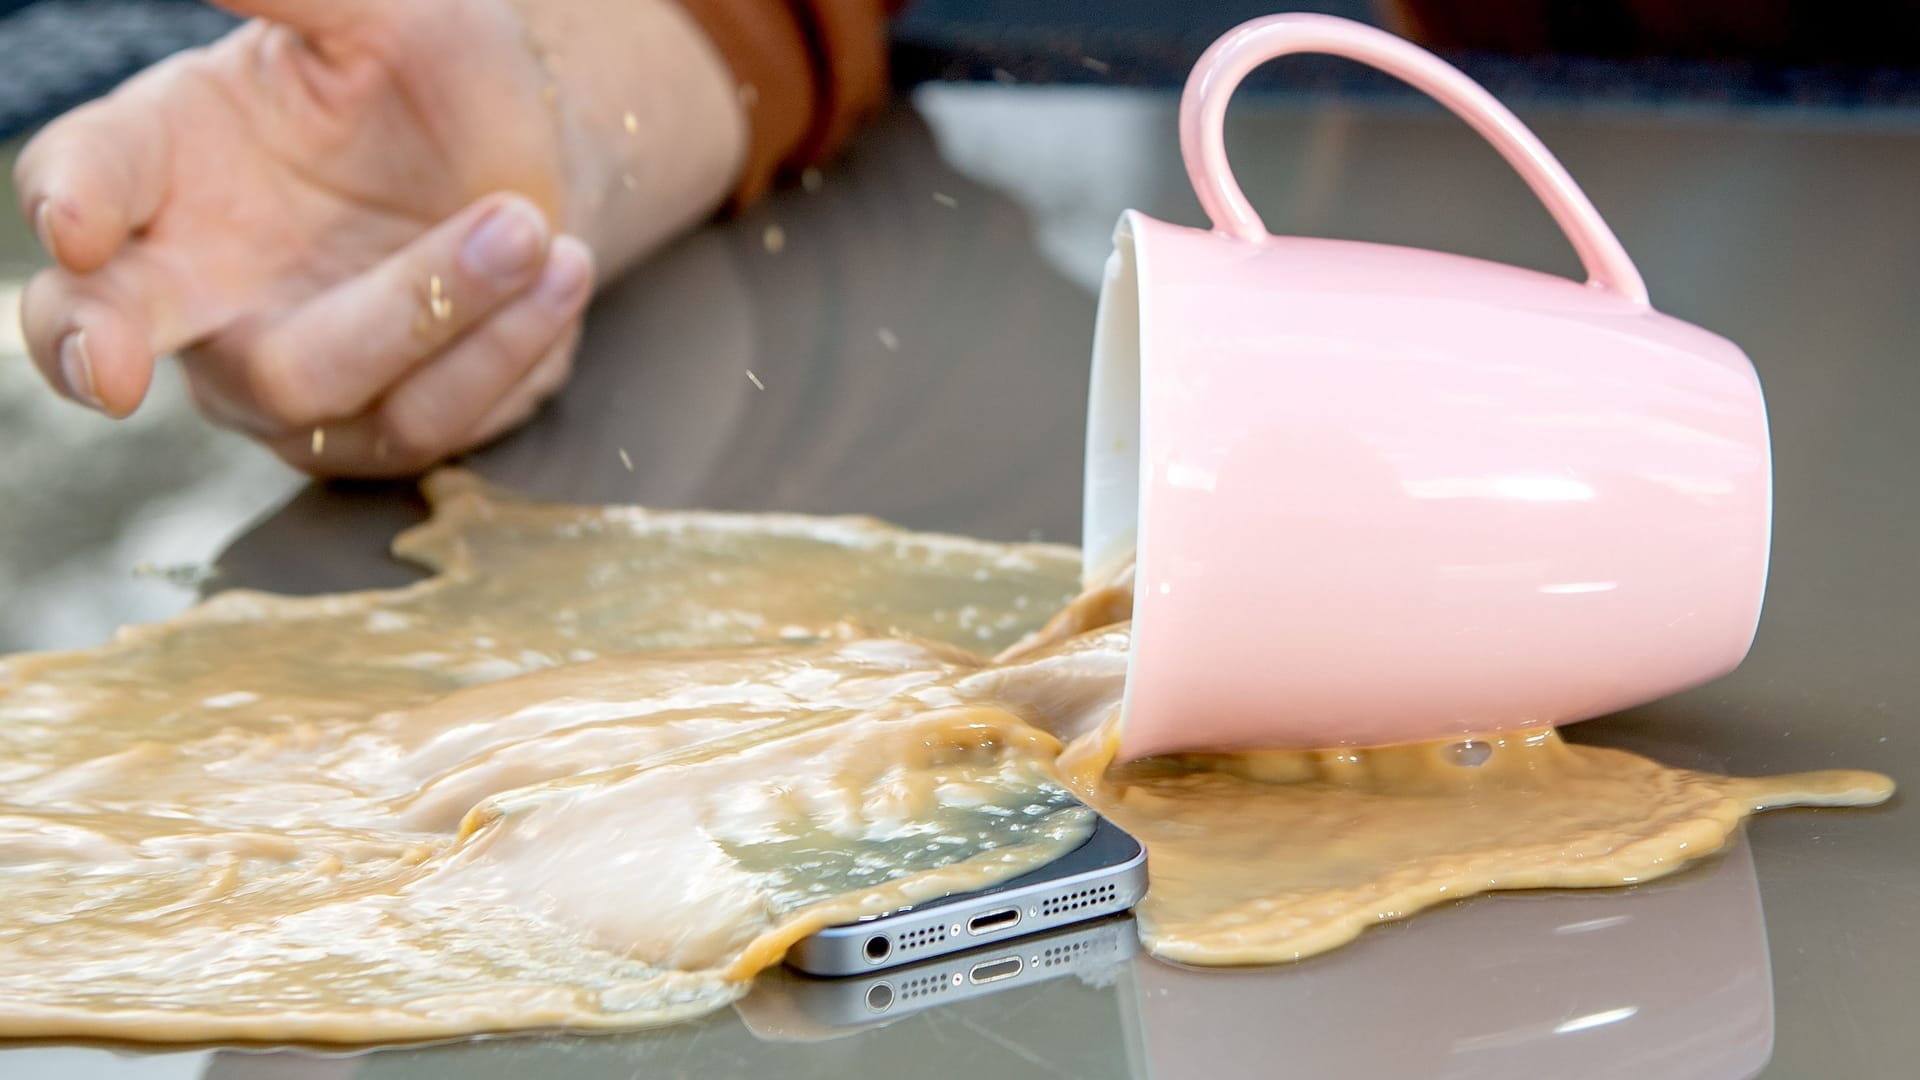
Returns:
point(1861, 57)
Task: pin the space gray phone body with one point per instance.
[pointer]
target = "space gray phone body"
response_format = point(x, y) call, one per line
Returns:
point(1105, 875)
point(1089, 951)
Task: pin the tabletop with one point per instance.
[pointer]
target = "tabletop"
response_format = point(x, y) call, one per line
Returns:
point(922, 338)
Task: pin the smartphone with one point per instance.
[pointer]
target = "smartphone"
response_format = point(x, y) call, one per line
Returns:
point(1105, 875)
point(1088, 950)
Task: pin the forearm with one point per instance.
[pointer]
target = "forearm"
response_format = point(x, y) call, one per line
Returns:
point(652, 127)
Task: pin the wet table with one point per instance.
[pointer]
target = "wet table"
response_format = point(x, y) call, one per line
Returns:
point(923, 340)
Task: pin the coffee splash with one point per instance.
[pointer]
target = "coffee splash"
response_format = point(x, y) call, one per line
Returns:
point(607, 763)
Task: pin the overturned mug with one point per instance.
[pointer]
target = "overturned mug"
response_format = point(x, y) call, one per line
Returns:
point(1379, 494)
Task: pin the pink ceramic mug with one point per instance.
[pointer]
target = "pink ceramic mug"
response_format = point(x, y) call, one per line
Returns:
point(1380, 494)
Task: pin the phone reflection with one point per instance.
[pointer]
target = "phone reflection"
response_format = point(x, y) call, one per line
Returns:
point(792, 1006)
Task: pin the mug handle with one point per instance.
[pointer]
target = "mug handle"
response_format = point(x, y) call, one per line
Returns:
point(1203, 110)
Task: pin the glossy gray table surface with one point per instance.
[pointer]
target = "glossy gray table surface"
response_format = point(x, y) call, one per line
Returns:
point(1797, 241)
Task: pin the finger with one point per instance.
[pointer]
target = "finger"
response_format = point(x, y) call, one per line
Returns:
point(525, 397)
point(436, 411)
point(333, 356)
point(92, 336)
point(94, 176)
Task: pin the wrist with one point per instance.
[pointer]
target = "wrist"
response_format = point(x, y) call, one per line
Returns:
point(652, 134)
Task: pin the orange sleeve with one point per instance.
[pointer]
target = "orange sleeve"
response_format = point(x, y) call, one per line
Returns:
point(809, 71)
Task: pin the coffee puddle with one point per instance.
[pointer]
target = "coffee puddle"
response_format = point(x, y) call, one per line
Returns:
point(608, 763)
point(1319, 846)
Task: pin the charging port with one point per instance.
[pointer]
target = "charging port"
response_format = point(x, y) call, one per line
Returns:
point(993, 920)
point(987, 971)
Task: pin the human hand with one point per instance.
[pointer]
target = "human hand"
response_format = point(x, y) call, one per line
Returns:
point(347, 217)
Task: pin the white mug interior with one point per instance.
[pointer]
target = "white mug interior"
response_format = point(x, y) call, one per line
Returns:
point(1110, 511)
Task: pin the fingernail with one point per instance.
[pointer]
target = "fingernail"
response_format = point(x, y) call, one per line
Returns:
point(76, 367)
point(565, 278)
point(43, 226)
point(505, 244)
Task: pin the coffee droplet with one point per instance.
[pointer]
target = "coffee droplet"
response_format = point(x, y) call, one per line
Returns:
point(1471, 753)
